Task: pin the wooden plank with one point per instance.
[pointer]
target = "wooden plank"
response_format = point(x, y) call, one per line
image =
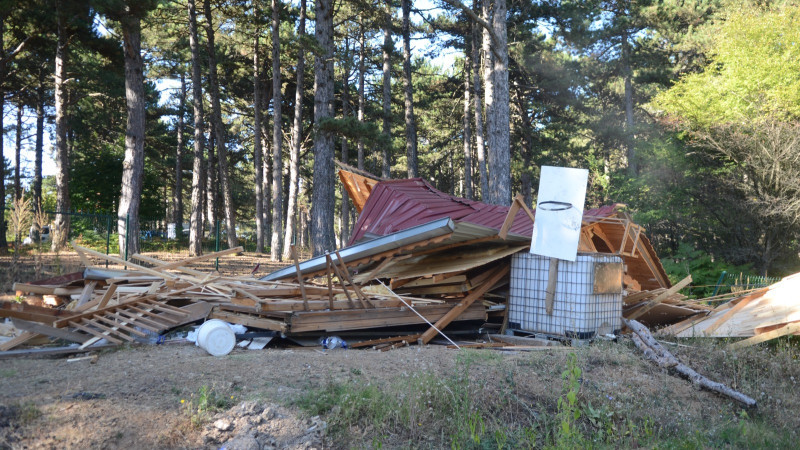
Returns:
point(509, 220)
point(550, 290)
point(299, 275)
point(141, 322)
point(19, 340)
point(339, 275)
point(791, 328)
point(372, 274)
point(370, 343)
point(110, 330)
point(48, 351)
point(121, 325)
point(731, 312)
point(112, 288)
point(46, 290)
point(661, 297)
point(46, 330)
point(313, 305)
point(465, 303)
point(389, 318)
point(361, 297)
point(86, 294)
point(250, 321)
point(196, 259)
point(122, 262)
point(330, 282)
point(160, 264)
point(96, 333)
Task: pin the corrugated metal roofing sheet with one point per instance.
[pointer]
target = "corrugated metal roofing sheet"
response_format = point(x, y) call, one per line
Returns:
point(395, 205)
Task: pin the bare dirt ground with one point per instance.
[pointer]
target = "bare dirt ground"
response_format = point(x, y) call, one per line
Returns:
point(177, 396)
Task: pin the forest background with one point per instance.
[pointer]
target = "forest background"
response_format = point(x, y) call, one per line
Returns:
point(230, 114)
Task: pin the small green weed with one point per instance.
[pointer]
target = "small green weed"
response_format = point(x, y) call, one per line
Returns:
point(207, 401)
point(567, 433)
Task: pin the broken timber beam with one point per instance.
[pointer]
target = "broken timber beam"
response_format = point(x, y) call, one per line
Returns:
point(464, 304)
point(658, 354)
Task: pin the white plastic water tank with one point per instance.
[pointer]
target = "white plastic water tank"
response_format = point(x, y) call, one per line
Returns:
point(586, 303)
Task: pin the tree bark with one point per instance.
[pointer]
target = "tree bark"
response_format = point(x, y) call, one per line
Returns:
point(177, 217)
point(212, 185)
point(37, 167)
point(467, 128)
point(60, 231)
point(344, 234)
point(361, 102)
point(480, 145)
point(219, 130)
point(257, 149)
point(387, 92)
point(196, 226)
point(133, 164)
point(277, 138)
point(18, 154)
point(411, 126)
point(322, 197)
point(630, 150)
point(499, 114)
point(297, 130)
point(3, 242)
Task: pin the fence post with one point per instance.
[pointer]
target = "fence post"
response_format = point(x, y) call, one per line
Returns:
point(216, 247)
point(719, 282)
point(108, 236)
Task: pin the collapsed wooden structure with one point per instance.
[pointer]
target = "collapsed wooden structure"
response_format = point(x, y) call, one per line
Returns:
point(420, 262)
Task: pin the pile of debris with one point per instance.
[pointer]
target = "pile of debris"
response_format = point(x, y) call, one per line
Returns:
point(422, 266)
point(761, 315)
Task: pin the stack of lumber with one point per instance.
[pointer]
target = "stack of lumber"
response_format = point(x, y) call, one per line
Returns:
point(759, 316)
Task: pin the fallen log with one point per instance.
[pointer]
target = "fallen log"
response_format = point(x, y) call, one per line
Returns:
point(657, 353)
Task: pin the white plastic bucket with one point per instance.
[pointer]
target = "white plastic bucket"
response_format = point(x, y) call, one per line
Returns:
point(216, 337)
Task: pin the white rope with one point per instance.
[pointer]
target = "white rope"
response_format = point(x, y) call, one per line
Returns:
point(420, 315)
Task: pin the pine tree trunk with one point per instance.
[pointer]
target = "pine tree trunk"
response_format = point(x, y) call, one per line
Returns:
point(196, 226)
point(467, 129)
point(499, 118)
point(630, 150)
point(386, 167)
point(527, 150)
point(133, 164)
point(408, 88)
point(18, 154)
point(297, 130)
point(212, 186)
point(3, 242)
point(257, 149)
point(219, 130)
point(277, 138)
point(361, 102)
point(344, 234)
point(322, 197)
point(60, 231)
point(480, 143)
point(177, 217)
point(37, 167)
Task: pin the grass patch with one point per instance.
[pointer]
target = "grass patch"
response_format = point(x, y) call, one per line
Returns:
point(8, 373)
point(487, 401)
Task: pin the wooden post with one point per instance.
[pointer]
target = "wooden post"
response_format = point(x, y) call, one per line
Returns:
point(552, 282)
point(300, 278)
